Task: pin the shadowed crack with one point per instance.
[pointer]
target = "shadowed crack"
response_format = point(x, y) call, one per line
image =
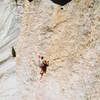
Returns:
point(61, 2)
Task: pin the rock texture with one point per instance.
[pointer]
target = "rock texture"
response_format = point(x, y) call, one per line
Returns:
point(69, 37)
point(9, 30)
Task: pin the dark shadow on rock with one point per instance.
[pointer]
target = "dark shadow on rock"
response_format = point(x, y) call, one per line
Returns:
point(13, 52)
point(61, 2)
point(30, 0)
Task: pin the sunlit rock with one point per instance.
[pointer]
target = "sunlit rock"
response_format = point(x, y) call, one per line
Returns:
point(70, 40)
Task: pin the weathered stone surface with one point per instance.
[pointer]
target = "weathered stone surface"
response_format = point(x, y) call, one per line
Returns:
point(9, 30)
point(69, 38)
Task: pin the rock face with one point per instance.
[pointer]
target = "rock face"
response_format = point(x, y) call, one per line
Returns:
point(69, 38)
point(9, 30)
point(61, 2)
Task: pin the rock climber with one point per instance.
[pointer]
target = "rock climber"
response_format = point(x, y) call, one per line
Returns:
point(43, 65)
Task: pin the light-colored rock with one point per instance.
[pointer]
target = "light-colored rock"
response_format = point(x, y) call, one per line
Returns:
point(70, 39)
point(9, 30)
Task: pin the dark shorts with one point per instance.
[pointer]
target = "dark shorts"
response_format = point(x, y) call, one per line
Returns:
point(44, 68)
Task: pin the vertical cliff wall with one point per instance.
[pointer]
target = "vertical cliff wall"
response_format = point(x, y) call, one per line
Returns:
point(9, 31)
point(68, 36)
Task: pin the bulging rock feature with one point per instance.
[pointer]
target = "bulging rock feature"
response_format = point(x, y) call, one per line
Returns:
point(61, 2)
point(30, 0)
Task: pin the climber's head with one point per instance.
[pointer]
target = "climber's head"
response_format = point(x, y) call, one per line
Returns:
point(41, 57)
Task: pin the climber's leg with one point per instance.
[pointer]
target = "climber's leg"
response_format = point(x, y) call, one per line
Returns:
point(44, 69)
point(41, 72)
